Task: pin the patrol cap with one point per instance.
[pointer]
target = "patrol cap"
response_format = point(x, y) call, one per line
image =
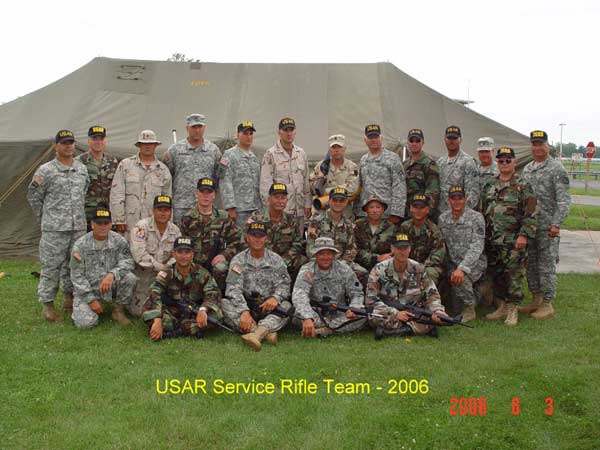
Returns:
point(337, 139)
point(453, 131)
point(485, 144)
point(455, 191)
point(183, 242)
point(245, 126)
point(195, 119)
point(278, 188)
point(374, 198)
point(538, 136)
point(97, 130)
point(162, 200)
point(287, 122)
point(323, 243)
point(207, 184)
point(372, 130)
point(419, 199)
point(257, 229)
point(64, 136)
point(101, 215)
point(416, 132)
point(506, 152)
point(400, 240)
point(147, 137)
point(338, 192)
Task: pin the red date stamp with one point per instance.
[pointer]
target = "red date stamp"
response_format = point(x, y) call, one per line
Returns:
point(477, 406)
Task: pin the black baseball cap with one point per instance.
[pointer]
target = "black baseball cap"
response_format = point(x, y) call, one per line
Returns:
point(338, 192)
point(278, 188)
point(162, 200)
point(505, 151)
point(97, 130)
point(538, 136)
point(372, 130)
point(183, 242)
point(64, 136)
point(453, 131)
point(245, 126)
point(456, 190)
point(257, 229)
point(416, 132)
point(287, 122)
point(206, 183)
point(400, 240)
point(101, 215)
point(419, 199)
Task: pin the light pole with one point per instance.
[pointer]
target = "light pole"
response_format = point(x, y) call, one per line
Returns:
point(561, 125)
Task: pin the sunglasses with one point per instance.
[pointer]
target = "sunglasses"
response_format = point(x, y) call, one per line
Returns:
point(414, 140)
point(504, 161)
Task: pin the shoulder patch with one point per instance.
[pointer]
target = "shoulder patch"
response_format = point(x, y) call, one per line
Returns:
point(37, 180)
point(162, 275)
point(139, 234)
point(309, 277)
point(77, 256)
point(224, 161)
point(237, 269)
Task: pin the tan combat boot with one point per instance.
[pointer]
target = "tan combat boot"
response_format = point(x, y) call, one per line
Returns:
point(68, 303)
point(536, 302)
point(50, 313)
point(512, 315)
point(500, 313)
point(271, 338)
point(469, 314)
point(323, 332)
point(253, 339)
point(118, 315)
point(545, 311)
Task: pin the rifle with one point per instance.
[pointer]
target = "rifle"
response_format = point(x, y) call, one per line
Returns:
point(424, 315)
point(214, 251)
point(191, 310)
point(327, 304)
point(254, 300)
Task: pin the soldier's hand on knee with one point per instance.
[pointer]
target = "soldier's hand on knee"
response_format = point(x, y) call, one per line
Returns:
point(308, 328)
point(269, 304)
point(96, 306)
point(217, 259)
point(106, 283)
point(457, 277)
point(156, 331)
point(404, 316)
point(246, 322)
point(521, 242)
point(350, 315)
point(201, 319)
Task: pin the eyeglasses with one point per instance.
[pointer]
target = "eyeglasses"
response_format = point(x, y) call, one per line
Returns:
point(414, 140)
point(504, 161)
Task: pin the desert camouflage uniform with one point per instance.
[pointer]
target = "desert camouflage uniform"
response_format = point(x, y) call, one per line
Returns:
point(427, 247)
point(187, 165)
point(134, 188)
point(239, 173)
point(151, 253)
point(371, 244)
point(340, 284)
point(101, 174)
point(91, 261)
point(423, 177)
point(198, 288)
point(268, 277)
point(57, 197)
point(345, 176)
point(509, 211)
point(550, 184)
point(414, 288)
point(458, 171)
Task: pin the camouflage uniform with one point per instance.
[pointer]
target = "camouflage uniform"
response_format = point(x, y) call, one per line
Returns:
point(268, 277)
point(213, 235)
point(283, 238)
point(423, 177)
point(550, 184)
point(340, 284)
point(485, 175)
point(134, 188)
point(240, 178)
point(345, 176)
point(383, 176)
point(465, 242)
point(101, 174)
point(152, 252)
point(509, 211)
point(427, 247)
point(371, 244)
point(91, 261)
point(187, 165)
point(460, 170)
point(57, 197)
point(197, 288)
point(413, 288)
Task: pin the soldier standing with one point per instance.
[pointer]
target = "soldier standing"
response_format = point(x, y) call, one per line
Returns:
point(373, 234)
point(189, 160)
point(137, 181)
point(240, 176)
point(263, 272)
point(508, 205)
point(101, 167)
point(550, 183)
point(487, 167)
point(152, 241)
point(56, 195)
point(101, 269)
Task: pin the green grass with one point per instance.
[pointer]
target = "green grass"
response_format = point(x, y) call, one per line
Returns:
point(583, 217)
point(95, 389)
point(581, 191)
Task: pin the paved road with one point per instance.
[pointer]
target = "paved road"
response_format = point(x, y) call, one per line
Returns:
point(585, 200)
point(579, 252)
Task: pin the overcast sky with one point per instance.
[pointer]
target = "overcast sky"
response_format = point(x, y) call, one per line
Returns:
point(526, 64)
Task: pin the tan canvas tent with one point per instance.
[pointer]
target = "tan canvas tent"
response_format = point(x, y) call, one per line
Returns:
point(127, 96)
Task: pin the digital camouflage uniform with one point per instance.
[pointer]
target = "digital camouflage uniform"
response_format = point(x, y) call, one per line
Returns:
point(268, 277)
point(509, 211)
point(413, 288)
point(56, 195)
point(101, 173)
point(345, 176)
point(239, 173)
point(197, 288)
point(91, 261)
point(187, 165)
point(213, 235)
point(423, 177)
point(460, 170)
point(486, 174)
point(371, 244)
point(427, 247)
point(340, 284)
point(550, 184)
point(152, 252)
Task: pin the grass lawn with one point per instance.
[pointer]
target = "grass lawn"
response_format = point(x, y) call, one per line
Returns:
point(581, 191)
point(63, 388)
point(583, 217)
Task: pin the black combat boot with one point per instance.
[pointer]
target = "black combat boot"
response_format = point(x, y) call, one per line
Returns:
point(404, 330)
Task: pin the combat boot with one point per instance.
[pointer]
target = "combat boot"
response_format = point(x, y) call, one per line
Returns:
point(469, 314)
point(271, 338)
point(404, 330)
point(512, 315)
point(68, 303)
point(536, 302)
point(545, 311)
point(500, 313)
point(323, 332)
point(50, 313)
point(118, 315)
point(253, 339)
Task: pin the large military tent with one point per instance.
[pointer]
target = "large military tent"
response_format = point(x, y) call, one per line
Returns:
point(127, 96)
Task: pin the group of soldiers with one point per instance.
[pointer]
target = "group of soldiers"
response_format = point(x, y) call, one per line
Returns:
point(386, 234)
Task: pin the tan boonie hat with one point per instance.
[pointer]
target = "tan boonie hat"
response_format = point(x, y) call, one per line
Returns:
point(485, 144)
point(337, 139)
point(323, 243)
point(147, 137)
